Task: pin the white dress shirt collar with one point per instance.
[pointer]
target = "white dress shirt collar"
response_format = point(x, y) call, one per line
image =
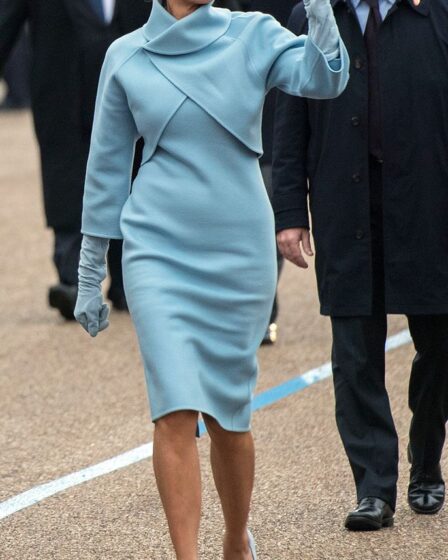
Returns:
point(390, 3)
point(109, 9)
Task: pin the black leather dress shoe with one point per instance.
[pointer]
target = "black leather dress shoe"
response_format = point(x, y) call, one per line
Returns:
point(63, 298)
point(426, 492)
point(370, 515)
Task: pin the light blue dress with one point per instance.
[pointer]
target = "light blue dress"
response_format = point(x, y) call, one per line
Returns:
point(199, 258)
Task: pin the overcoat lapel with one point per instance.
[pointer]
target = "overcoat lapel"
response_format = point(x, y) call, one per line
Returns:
point(82, 11)
point(118, 7)
point(420, 6)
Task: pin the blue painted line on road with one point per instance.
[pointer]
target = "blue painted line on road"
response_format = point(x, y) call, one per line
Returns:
point(262, 400)
point(271, 396)
point(278, 393)
point(301, 382)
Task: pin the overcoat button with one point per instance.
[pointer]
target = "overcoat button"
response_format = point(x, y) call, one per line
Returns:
point(356, 178)
point(359, 234)
point(356, 121)
point(358, 63)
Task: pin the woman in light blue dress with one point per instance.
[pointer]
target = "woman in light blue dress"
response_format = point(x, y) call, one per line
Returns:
point(199, 258)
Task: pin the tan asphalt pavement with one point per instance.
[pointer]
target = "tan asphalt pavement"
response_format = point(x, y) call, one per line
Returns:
point(68, 402)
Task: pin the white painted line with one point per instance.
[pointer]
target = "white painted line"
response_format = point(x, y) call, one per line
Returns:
point(40, 493)
point(323, 372)
point(400, 339)
point(317, 374)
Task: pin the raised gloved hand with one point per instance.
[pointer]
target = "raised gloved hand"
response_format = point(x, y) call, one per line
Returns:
point(323, 30)
point(90, 311)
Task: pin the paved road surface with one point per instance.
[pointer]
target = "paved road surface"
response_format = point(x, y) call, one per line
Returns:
point(69, 402)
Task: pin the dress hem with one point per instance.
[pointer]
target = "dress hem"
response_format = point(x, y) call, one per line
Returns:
point(201, 410)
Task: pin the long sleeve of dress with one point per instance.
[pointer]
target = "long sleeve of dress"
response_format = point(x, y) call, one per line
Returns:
point(109, 168)
point(295, 64)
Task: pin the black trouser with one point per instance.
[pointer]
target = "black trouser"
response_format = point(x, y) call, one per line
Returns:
point(17, 73)
point(362, 406)
point(266, 171)
point(67, 247)
point(363, 412)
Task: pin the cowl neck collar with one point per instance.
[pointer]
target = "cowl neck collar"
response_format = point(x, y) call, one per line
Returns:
point(170, 36)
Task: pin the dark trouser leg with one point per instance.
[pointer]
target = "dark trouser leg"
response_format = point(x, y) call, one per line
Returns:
point(116, 290)
point(363, 412)
point(428, 389)
point(114, 256)
point(67, 246)
point(266, 171)
point(17, 73)
point(275, 307)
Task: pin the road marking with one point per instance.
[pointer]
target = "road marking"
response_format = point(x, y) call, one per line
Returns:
point(262, 400)
point(40, 493)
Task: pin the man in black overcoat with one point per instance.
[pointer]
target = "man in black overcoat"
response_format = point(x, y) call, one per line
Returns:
point(69, 40)
point(373, 165)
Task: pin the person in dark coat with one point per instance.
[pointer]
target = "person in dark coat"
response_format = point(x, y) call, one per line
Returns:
point(373, 165)
point(69, 41)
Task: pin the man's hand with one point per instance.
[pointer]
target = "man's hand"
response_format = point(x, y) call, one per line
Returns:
point(289, 241)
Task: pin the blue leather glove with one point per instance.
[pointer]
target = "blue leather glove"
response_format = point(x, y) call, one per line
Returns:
point(90, 311)
point(323, 29)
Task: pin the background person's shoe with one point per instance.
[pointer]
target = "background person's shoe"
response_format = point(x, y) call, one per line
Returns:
point(63, 298)
point(370, 515)
point(426, 491)
point(271, 335)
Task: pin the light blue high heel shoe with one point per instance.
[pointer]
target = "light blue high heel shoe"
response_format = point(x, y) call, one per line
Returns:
point(252, 545)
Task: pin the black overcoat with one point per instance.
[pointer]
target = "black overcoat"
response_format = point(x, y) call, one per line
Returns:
point(326, 142)
point(234, 5)
point(69, 44)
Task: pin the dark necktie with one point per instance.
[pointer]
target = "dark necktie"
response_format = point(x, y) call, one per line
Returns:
point(97, 7)
point(370, 36)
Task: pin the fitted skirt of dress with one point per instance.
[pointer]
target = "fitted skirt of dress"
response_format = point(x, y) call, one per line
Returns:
point(199, 266)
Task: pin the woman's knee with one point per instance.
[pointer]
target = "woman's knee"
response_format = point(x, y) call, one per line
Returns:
point(179, 423)
point(214, 428)
point(220, 435)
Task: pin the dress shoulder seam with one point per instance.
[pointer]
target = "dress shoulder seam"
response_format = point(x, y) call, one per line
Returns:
point(249, 57)
point(120, 63)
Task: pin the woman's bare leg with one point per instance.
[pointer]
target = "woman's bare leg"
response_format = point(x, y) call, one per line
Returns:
point(233, 464)
point(177, 470)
